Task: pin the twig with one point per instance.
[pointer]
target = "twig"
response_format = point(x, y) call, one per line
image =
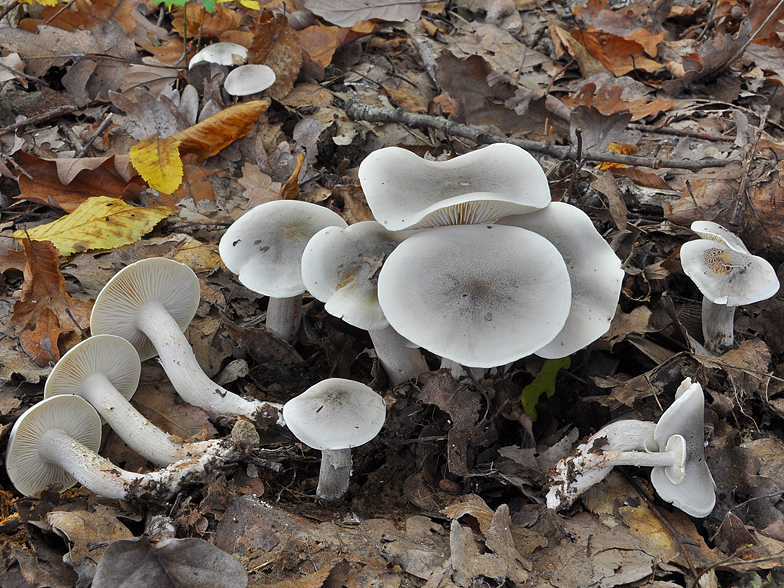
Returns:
point(59, 12)
point(678, 132)
point(25, 76)
point(750, 40)
point(356, 110)
point(98, 132)
point(59, 111)
point(15, 165)
point(693, 199)
point(71, 316)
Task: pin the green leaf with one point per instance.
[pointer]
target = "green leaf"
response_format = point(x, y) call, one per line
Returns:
point(544, 382)
point(209, 5)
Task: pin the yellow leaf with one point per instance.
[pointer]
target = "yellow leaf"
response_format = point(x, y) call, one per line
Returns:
point(99, 222)
point(42, 2)
point(158, 162)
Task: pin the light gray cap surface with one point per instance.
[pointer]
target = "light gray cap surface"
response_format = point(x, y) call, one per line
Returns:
point(249, 79)
point(221, 54)
point(169, 282)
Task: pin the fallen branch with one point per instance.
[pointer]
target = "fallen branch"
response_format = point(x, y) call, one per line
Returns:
point(356, 110)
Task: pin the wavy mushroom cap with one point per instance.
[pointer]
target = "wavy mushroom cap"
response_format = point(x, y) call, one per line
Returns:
point(249, 79)
point(407, 192)
point(221, 54)
point(479, 295)
point(594, 270)
point(155, 279)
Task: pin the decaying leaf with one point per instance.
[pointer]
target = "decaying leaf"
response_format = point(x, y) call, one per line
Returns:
point(346, 13)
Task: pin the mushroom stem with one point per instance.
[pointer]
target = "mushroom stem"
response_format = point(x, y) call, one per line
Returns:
point(399, 361)
point(104, 478)
point(335, 473)
point(718, 325)
point(284, 316)
point(180, 364)
point(149, 441)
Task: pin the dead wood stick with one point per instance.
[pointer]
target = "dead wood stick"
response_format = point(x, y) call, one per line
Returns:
point(98, 132)
point(23, 75)
point(678, 132)
point(356, 110)
point(59, 111)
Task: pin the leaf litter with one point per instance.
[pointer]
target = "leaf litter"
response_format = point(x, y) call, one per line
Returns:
point(676, 103)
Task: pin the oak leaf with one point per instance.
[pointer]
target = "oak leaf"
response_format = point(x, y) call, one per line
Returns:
point(158, 162)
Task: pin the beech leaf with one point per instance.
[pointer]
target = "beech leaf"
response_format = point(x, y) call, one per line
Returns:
point(158, 162)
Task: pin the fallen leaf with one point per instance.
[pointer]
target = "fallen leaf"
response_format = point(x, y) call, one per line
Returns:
point(158, 162)
point(346, 13)
point(84, 527)
point(276, 45)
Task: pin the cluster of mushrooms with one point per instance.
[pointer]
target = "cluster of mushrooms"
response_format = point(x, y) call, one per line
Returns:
point(242, 80)
point(467, 258)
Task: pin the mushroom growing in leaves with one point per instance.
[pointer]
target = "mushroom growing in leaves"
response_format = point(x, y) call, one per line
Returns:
point(249, 79)
point(150, 304)
point(104, 370)
point(264, 248)
point(728, 276)
point(221, 54)
point(340, 267)
point(56, 441)
point(674, 448)
point(333, 416)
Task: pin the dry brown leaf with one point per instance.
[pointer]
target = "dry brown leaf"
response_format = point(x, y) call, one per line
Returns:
point(346, 13)
point(609, 100)
point(86, 14)
point(618, 55)
point(259, 187)
point(606, 184)
point(206, 24)
point(276, 45)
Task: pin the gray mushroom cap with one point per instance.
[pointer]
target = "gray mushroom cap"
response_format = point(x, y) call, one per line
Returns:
point(479, 295)
point(72, 414)
point(221, 54)
point(690, 488)
point(249, 79)
point(264, 246)
point(406, 192)
point(169, 282)
point(335, 414)
point(340, 267)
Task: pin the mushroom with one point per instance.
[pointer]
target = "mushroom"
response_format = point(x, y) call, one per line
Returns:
point(674, 448)
point(264, 248)
point(150, 303)
point(406, 192)
point(104, 370)
point(56, 441)
point(333, 416)
point(340, 267)
point(249, 79)
point(221, 54)
point(595, 274)
point(728, 276)
point(480, 295)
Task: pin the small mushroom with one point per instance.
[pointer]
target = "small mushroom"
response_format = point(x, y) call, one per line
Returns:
point(333, 416)
point(264, 249)
point(407, 192)
point(104, 370)
point(56, 441)
point(249, 79)
point(674, 448)
point(480, 295)
point(728, 276)
point(150, 303)
point(340, 267)
point(221, 54)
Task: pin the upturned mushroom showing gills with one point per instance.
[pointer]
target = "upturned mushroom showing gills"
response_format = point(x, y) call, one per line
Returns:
point(340, 267)
point(104, 370)
point(728, 275)
point(333, 416)
point(264, 249)
point(407, 192)
point(221, 54)
point(55, 442)
point(674, 448)
point(150, 304)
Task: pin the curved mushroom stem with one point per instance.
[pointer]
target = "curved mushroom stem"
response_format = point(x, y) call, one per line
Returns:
point(335, 473)
point(104, 478)
point(399, 361)
point(718, 325)
point(284, 316)
point(149, 441)
point(179, 362)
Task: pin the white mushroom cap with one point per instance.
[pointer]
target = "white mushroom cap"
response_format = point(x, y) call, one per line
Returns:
point(716, 232)
point(691, 487)
point(335, 414)
point(221, 54)
point(480, 295)
point(72, 414)
point(405, 191)
point(264, 246)
point(249, 79)
point(169, 282)
point(594, 271)
point(340, 267)
point(724, 271)
point(109, 355)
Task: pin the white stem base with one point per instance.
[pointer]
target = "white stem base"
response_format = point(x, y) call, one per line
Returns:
point(284, 316)
point(335, 474)
point(401, 363)
point(718, 326)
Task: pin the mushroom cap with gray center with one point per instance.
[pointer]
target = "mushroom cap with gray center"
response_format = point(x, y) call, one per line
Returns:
point(695, 493)
point(72, 414)
point(109, 355)
point(479, 295)
point(221, 54)
point(335, 414)
point(264, 246)
point(155, 279)
point(595, 273)
point(249, 79)
point(406, 192)
point(340, 267)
